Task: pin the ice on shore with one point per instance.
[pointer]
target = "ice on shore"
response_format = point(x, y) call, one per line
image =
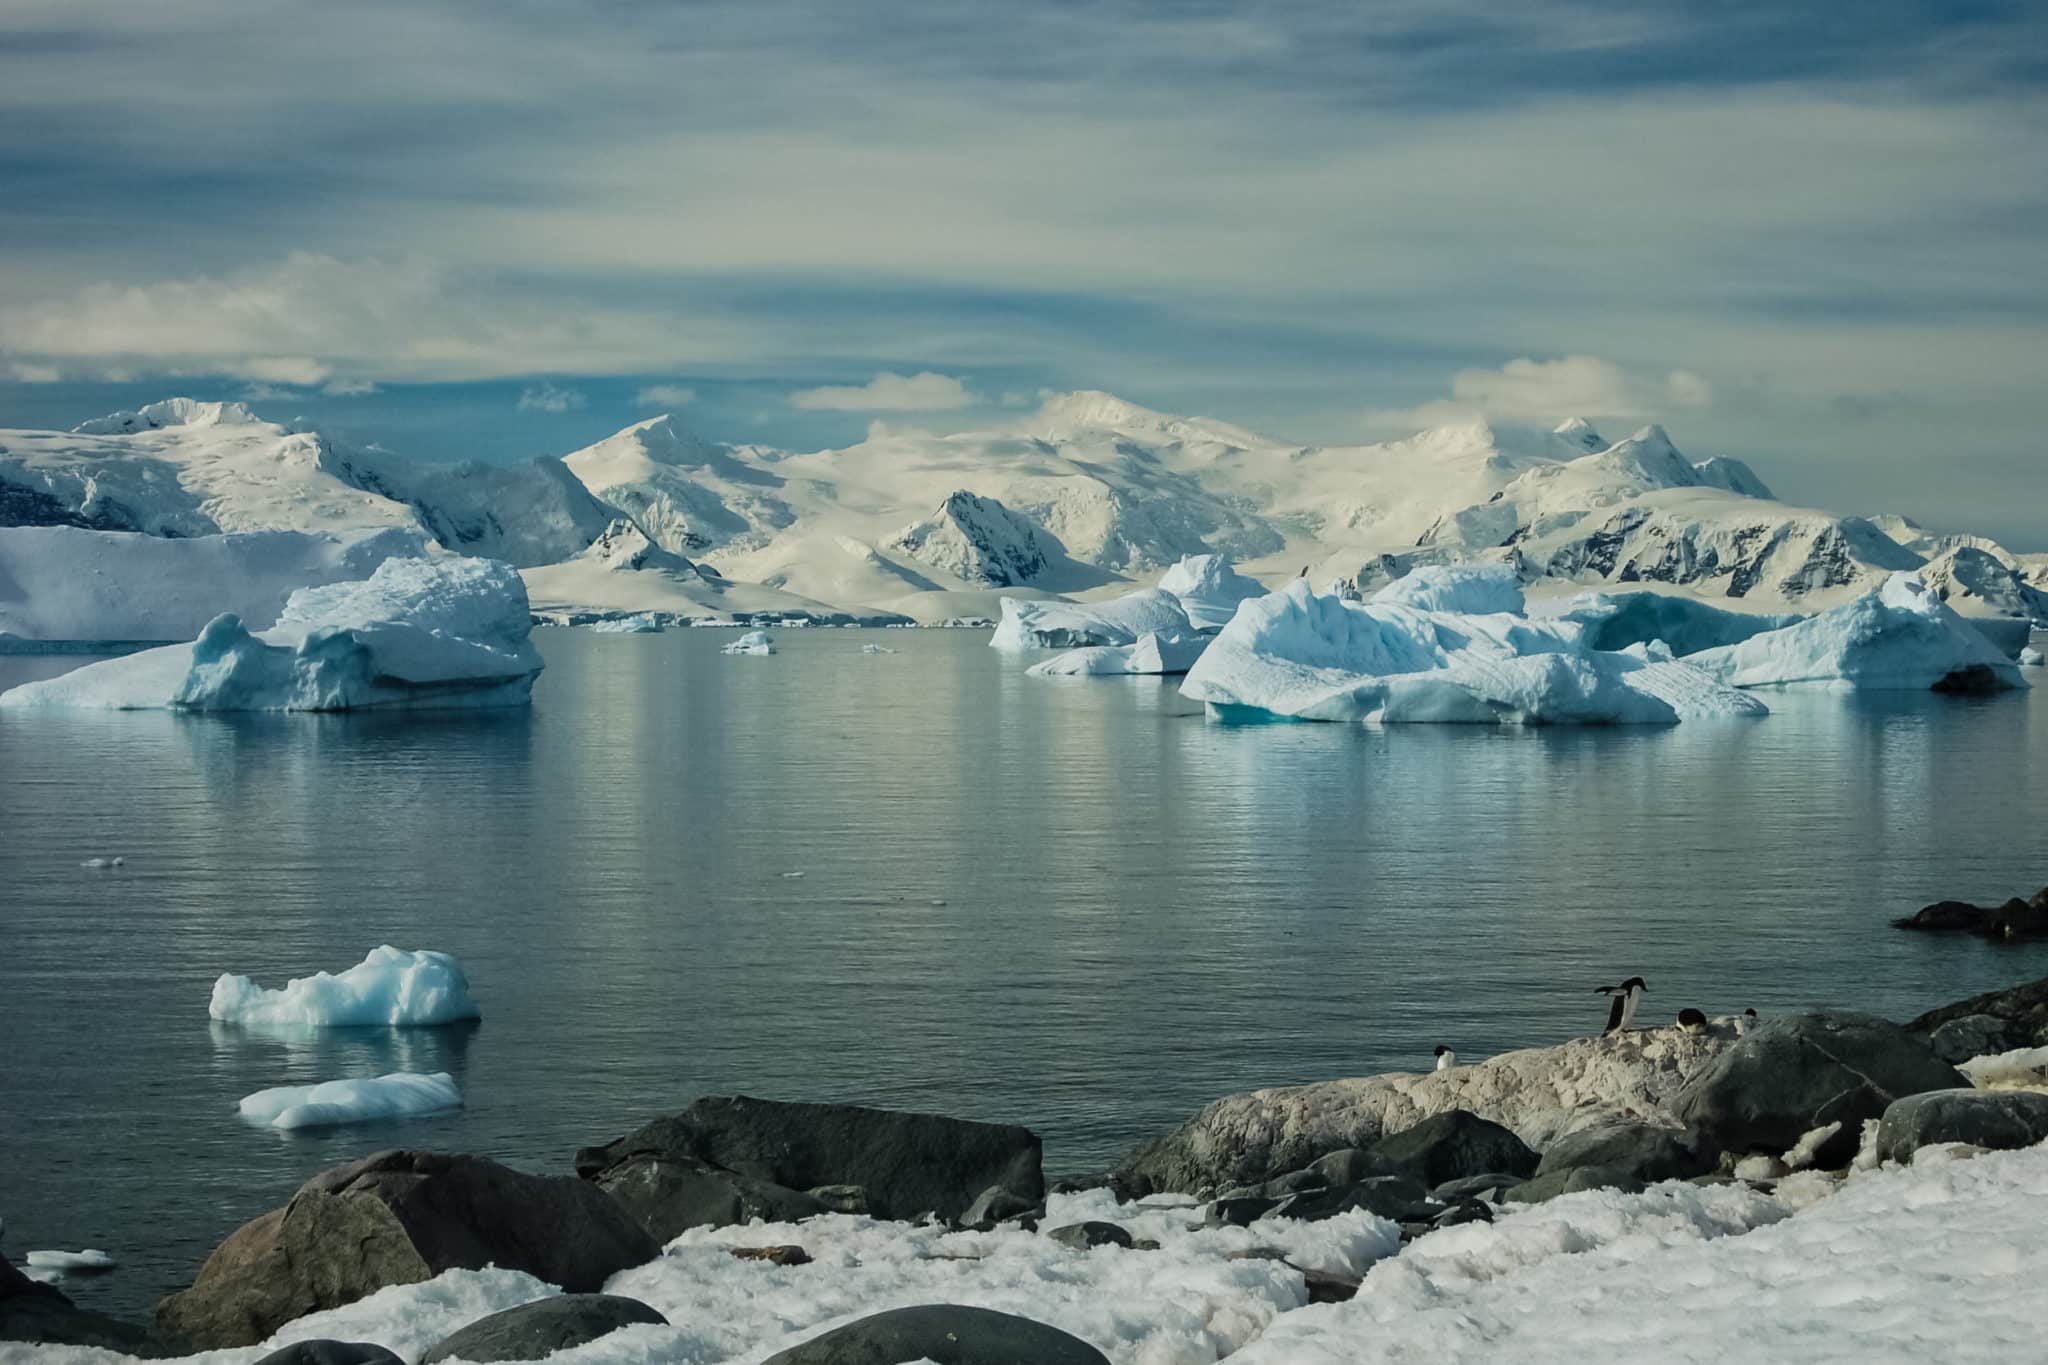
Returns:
point(1156, 652)
point(389, 987)
point(1208, 589)
point(1902, 637)
point(1296, 654)
point(2022, 1069)
point(1073, 625)
point(753, 642)
point(402, 1094)
point(416, 633)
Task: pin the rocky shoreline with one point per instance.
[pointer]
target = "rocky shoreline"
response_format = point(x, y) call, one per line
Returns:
point(1732, 1102)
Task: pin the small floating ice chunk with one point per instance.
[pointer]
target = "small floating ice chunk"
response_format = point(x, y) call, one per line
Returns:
point(876, 649)
point(402, 1094)
point(792, 874)
point(116, 861)
point(389, 987)
point(753, 642)
point(2033, 658)
point(71, 1262)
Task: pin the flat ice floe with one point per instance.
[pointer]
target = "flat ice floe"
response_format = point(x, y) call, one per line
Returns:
point(1073, 625)
point(1297, 654)
point(389, 987)
point(416, 633)
point(1900, 638)
point(70, 1262)
point(402, 1094)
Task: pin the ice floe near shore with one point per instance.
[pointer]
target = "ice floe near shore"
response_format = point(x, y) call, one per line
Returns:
point(1073, 625)
point(402, 1094)
point(389, 987)
point(1414, 657)
point(1902, 637)
point(416, 633)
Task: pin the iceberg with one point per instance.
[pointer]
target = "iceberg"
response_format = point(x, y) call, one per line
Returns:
point(1072, 625)
point(1155, 653)
point(1468, 589)
point(1686, 625)
point(2033, 658)
point(402, 1094)
point(1208, 589)
point(641, 623)
point(390, 987)
point(753, 642)
point(70, 1262)
point(1296, 654)
point(416, 633)
point(1902, 637)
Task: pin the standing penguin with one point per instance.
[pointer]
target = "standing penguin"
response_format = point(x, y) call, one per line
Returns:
point(1624, 998)
point(1445, 1058)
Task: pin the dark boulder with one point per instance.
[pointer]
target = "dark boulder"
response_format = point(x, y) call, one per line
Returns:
point(1239, 1213)
point(947, 1334)
point(2023, 1009)
point(2016, 919)
point(1487, 1185)
point(1639, 1150)
point(1999, 1119)
point(997, 1205)
point(1797, 1072)
point(1451, 1146)
point(399, 1218)
point(44, 1315)
point(908, 1164)
point(1973, 1035)
point(1571, 1181)
point(841, 1198)
point(325, 1352)
point(535, 1330)
point(1348, 1167)
point(1280, 1186)
point(1388, 1196)
point(669, 1194)
point(1084, 1236)
point(1464, 1211)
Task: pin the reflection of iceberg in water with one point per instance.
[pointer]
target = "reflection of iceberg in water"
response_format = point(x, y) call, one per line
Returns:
point(360, 1051)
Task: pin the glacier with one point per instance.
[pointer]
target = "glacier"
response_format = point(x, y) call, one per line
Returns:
point(401, 1094)
point(1297, 654)
point(1069, 625)
point(389, 987)
point(1208, 588)
point(417, 633)
point(1902, 637)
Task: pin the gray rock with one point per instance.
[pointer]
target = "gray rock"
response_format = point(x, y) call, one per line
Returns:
point(325, 1352)
point(539, 1329)
point(399, 1218)
point(945, 1333)
point(1464, 1211)
point(1239, 1213)
point(2024, 1010)
point(909, 1164)
point(1452, 1146)
point(1083, 1236)
point(2000, 1120)
point(1797, 1072)
point(1973, 1035)
point(1572, 1180)
point(668, 1194)
point(1327, 1286)
point(1280, 1186)
point(841, 1198)
point(995, 1205)
point(1643, 1151)
point(1348, 1167)
point(1389, 1196)
point(45, 1316)
point(1485, 1186)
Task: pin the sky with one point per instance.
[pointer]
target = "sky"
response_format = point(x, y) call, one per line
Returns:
point(1808, 235)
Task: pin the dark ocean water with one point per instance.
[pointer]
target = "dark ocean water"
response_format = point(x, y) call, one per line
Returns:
point(1073, 904)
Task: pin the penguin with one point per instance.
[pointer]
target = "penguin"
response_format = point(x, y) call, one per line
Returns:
point(1692, 1021)
point(1624, 997)
point(1445, 1058)
point(1744, 1022)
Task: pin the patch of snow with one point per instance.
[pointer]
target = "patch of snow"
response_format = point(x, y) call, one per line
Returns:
point(389, 987)
point(1071, 625)
point(2021, 1069)
point(401, 1094)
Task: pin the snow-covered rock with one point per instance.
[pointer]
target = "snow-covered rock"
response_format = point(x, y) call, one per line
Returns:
point(1071, 625)
point(390, 986)
point(1294, 654)
point(1155, 653)
point(978, 540)
point(1209, 589)
point(530, 512)
point(688, 494)
point(64, 585)
point(1901, 637)
point(753, 642)
point(401, 1094)
point(417, 633)
point(1975, 582)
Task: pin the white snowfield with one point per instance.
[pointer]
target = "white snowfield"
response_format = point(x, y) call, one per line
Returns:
point(1071, 625)
point(1901, 637)
point(1295, 654)
point(389, 987)
point(417, 633)
point(64, 585)
point(401, 1094)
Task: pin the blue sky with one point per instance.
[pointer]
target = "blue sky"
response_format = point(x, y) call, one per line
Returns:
point(1809, 235)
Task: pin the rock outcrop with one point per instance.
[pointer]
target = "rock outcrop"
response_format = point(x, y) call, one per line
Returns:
point(1995, 1119)
point(943, 1333)
point(534, 1331)
point(42, 1315)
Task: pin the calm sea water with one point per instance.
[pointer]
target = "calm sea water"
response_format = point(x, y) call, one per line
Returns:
point(1073, 904)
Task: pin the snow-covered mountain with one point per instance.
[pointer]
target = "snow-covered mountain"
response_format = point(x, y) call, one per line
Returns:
point(1089, 496)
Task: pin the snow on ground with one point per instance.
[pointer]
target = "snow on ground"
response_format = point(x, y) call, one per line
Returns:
point(62, 584)
point(1901, 637)
point(2022, 1069)
point(1300, 655)
point(1209, 589)
point(416, 633)
point(1071, 625)
point(1156, 652)
point(402, 1094)
point(390, 986)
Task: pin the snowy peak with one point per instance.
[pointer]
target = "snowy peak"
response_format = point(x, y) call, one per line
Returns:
point(977, 540)
point(1071, 416)
point(623, 547)
point(663, 440)
point(1577, 434)
point(1732, 476)
point(170, 412)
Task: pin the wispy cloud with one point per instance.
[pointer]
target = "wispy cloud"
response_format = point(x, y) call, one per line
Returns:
point(348, 388)
point(889, 392)
point(1528, 390)
point(548, 397)
point(665, 396)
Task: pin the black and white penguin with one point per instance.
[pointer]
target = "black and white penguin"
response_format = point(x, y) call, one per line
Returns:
point(1445, 1058)
point(1624, 997)
point(1692, 1020)
point(1745, 1021)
